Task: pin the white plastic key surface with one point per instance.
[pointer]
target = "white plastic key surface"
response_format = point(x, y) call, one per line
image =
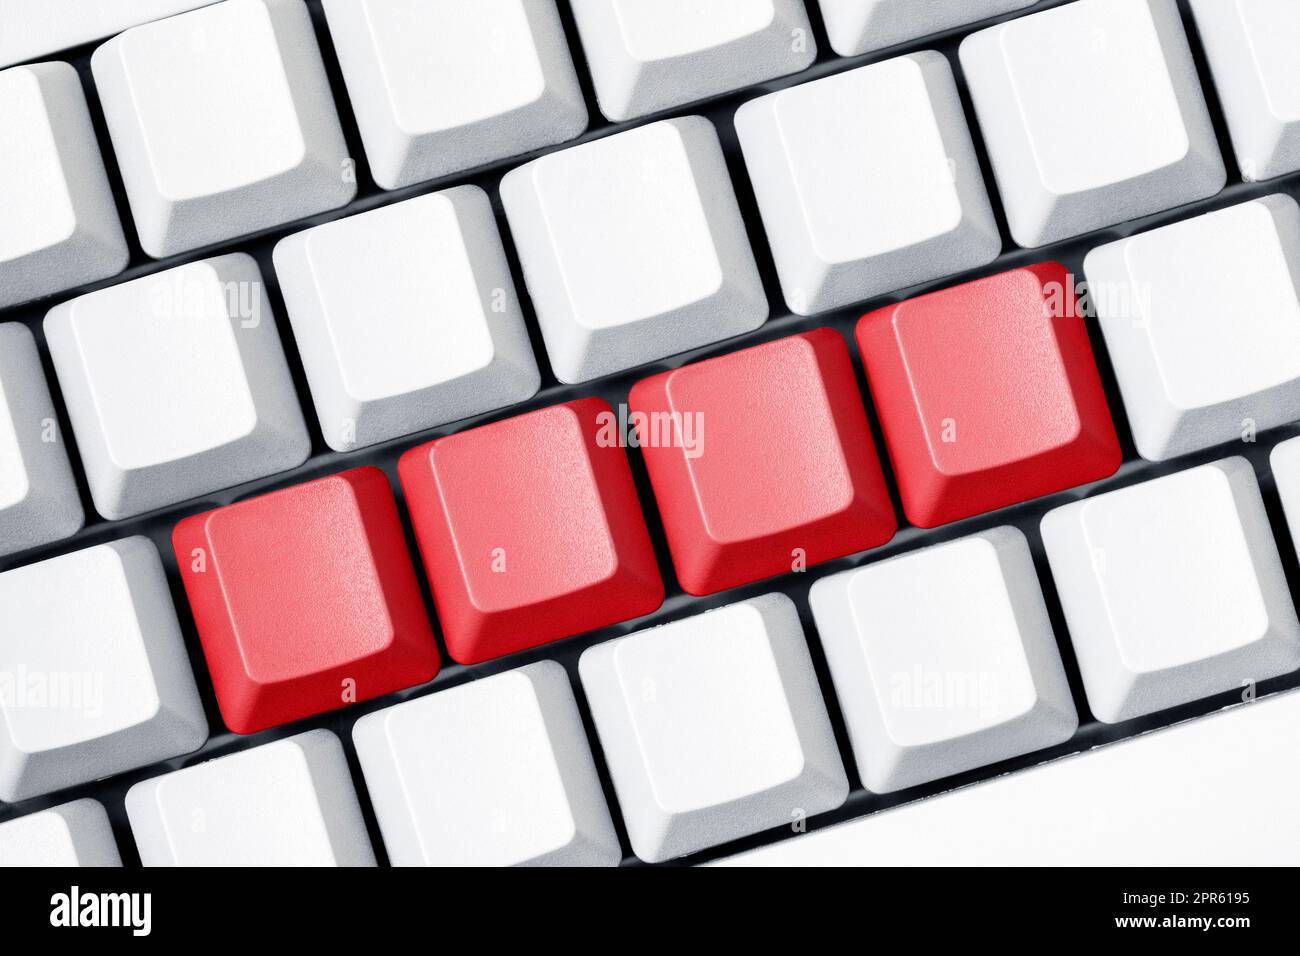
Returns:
point(868, 182)
point(288, 803)
point(223, 123)
point(860, 26)
point(713, 727)
point(1122, 71)
point(58, 225)
point(39, 502)
point(94, 678)
point(943, 660)
point(74, 834)
point(633, 248)
point(650, 55)
point(1172, 590)
point(1215, 791)
point(439, 86)
point(1284, 461)
point(406, 317)
point(496, 772)
point(1202, 323)
point(1250, 45)
point(35, 28)
point(176, 385)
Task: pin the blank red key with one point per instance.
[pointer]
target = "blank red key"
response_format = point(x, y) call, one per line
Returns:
point(305, 600)
point(530, 530)
point(762, 461)
point(988, 394)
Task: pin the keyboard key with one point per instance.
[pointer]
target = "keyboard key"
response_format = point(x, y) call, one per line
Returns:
point(1191, 379)
point(848, 220)
point(860, 26)
point(441, 85)
point(1021, 415)
point(714, 728)
point(288, 803)
point(530, 530)
point(943, 660)
point(38, 27)
point(94, 678)
point(1173, 590)
point(60, 225)
point(1284, 462)
point(633, 248)
point(223, 123)
point(1215, 791)
point(74, 834)
point(329, 615)
point(176, 385)
point(406, 318)
point(1249, 45)
point(735, 511)
point(1120, 70)
point(496, 772)
point(39, 502)
point(651, 55)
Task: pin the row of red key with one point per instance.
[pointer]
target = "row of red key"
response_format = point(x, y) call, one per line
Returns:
point(530, 529)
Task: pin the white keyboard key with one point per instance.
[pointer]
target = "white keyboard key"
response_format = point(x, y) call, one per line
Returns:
point(1172, 590)
point(1202, 323)
point(860, 26)
point(74, 834)
point(943, 660)
point(650, 55)
point(223, 123)
point(439, 86)
point(713, 727)
point(94, 678)
point(39, 502)
point(288, 803)
point(848, 220)
point(496, 772)
point(176, 385)
point(1093, 114)
point(1215, 791)
point(633, 248)
point(38, 27)
point(1285, 464)
point(406, 317)
point(58, 224)
point(1250, 45)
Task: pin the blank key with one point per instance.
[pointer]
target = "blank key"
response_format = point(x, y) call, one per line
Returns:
point(859, 26)
point(176, 385)
point(633, 248)
point(1202, 323)
point(58, 224)
point(1093, 115)
point(223, 123)
point(649, 55)
point(713, 727)
point(496, 772)
point(442, 85)
point(288, 803)
point(944, 660)
point(1173, 590)
point(867, 182)
point(1251, 48)
point(74, 834)
point(406, 317)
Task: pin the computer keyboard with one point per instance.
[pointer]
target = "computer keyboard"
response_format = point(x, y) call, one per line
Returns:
point(613, 431)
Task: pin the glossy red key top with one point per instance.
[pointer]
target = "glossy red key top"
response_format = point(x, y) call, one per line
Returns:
point(530, 530)
point(762, 461)
point(988, 394)
point(305, 600)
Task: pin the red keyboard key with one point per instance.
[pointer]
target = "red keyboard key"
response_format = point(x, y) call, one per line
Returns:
point(305, 600)
point(988, 394)
point(530, 530)
point(762, 461)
